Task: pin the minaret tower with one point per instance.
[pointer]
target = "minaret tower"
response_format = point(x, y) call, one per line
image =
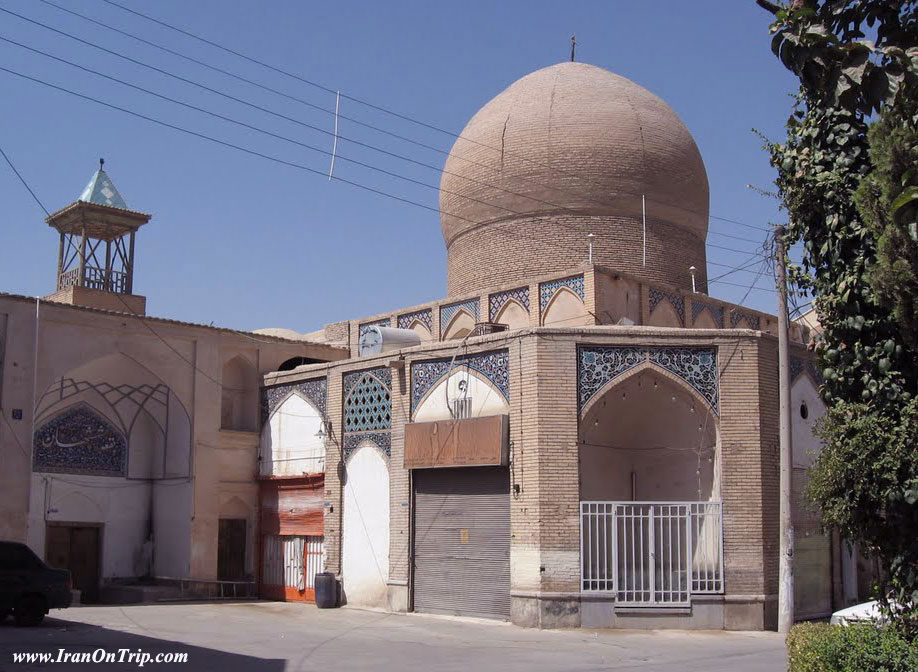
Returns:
point(95, 263)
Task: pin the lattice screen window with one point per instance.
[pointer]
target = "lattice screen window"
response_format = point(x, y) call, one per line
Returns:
point(368, 406)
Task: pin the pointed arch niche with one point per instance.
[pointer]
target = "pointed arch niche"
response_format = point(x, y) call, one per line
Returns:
point(239, 395)
point(649, 436)
point(291, 441)
point(648, 423)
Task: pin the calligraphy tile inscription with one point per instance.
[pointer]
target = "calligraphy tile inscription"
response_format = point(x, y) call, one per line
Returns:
point(79, 441)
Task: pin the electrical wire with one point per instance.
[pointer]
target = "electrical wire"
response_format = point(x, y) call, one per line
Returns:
point(327, 110)
point(263, 155)
point(24, 183)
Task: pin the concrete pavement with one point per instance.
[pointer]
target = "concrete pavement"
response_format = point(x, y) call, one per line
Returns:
point(279, 637)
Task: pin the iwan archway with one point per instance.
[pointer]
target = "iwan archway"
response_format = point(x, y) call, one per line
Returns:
point(649, 476)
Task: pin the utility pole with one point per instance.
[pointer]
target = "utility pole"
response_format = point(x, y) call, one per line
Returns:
point(786, 524)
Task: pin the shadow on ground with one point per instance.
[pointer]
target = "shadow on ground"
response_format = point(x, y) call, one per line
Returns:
point(79, 639)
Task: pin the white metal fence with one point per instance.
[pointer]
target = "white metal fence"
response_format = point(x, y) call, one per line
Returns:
point(648, 553)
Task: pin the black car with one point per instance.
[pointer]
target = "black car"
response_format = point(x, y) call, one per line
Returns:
point(28, 587)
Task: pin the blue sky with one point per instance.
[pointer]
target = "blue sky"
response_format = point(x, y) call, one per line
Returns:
point(244, 242)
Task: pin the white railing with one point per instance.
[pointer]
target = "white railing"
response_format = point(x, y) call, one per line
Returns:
point(651, 553)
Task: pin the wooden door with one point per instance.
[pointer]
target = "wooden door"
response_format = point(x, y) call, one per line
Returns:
point(76, 548)
point(231, 549)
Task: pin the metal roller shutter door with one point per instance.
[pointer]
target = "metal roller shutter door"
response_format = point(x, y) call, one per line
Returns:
point(462, 541)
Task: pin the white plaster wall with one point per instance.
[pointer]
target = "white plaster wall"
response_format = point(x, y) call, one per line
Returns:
point(289, 442)
point(96, 347)
point(172, 502)
point(123, 508)
point(461, 324)
point(365, 543)
point(513, 315)
point(566, 310)
point(654, 427)
point(805, 444)
point(485, 399)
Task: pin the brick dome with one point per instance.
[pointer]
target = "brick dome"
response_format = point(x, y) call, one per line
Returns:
point(561, 153)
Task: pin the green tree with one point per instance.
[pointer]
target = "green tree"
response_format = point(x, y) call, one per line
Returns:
point(887, 200)
point(848, 194)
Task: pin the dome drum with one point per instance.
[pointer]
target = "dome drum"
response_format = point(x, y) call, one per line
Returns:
point(486, 257)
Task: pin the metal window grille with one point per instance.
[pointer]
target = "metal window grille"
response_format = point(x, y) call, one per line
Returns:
point(651, 553)
point(292, 560)
point(462, 408)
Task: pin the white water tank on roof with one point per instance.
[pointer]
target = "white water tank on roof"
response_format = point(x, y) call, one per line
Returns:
point(376, 340)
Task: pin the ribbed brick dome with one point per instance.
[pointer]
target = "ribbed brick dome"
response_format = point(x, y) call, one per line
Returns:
point(563, 152)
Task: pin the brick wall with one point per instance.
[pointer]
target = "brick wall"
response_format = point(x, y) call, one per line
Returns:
point(512, 250)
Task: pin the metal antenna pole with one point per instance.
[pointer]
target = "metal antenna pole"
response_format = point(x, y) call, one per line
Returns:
point(644, 233)
point(786, 523)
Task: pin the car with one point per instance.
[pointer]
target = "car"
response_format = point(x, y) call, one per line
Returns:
point(866, 612)
point(29, 589)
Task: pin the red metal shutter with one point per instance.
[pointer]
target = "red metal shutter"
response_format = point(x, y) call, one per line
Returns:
point(293, 508)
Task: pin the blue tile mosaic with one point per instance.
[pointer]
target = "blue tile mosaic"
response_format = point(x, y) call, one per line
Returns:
point(598, 365)
point(367, 400)
point(385, 322)
point(675, 300)
point(383, 373)
point(315, 391)
point(737, 315)
point(800, 365)
point(696, 366)
point(79, 441)
point(448, 312)
point(382, 440)
point(424, 316)
point(547, 290)
point(497, 301)
point(716, 312)
point(494, 366)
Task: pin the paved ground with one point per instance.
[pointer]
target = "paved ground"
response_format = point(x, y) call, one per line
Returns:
point(278, 637)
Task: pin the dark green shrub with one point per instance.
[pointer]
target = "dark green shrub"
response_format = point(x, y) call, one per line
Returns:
point(819, 647)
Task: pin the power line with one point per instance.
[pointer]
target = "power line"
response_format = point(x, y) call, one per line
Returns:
point(281, 161)
point(261, 154)
point(131, 311)
point(285, 117)
point(363, 102)
point(333, 112)
point(216, 140)
point(256, 128)
point(302, 144)
point(732, 269)
point(24, 183)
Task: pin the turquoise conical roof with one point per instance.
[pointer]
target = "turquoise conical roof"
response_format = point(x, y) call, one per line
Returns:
point(101, 191)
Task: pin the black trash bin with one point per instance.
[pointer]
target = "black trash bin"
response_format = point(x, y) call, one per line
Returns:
point(326, 590)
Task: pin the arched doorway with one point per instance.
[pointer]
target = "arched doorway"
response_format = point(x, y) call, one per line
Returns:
point(650, 491)
point(365, 544)
point(291, 474)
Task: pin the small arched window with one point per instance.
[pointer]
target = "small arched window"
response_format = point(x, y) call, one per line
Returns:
point(294, 362)
point(239, 401)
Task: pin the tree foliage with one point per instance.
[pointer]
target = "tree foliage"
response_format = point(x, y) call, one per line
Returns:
point(867, 485)
point(887, 199)
point(847, 189)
